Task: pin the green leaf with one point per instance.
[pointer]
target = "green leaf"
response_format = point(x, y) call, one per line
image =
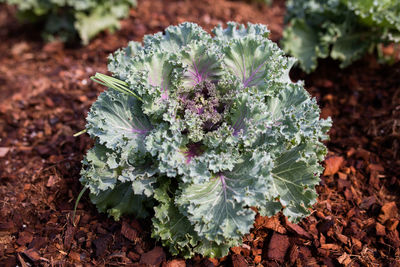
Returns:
point(342, 29)
point(171, 226)
point(176, 37)
point(97, 174)
point(214, 211)
point(235, 31)
point(211, 249)
point(202, 63)
point(117, 121)
point(120, 61)
point(294, 177)
point(219, 208)
point(349, 48)
point(303, 43)
point(176, 232)
point(121, 201)
point(249, 59)
point(90, 24)
point(66, 19)
point(142, 178)
point(270, 208)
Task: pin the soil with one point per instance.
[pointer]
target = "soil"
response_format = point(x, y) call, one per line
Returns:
point(46, 93)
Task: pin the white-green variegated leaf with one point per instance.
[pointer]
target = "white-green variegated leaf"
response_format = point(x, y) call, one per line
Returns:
point(219, 209)
point(103, 169)
point(211, 207)
point(285, 77)
point(141, 177)
point(202, 63)
point(119, 63)
point(294, 177)
point(117, 121)
point(176, 37)
point(271, 208)
point(286, 99)
point(239, 31)
point(158, 68)
point(97, 174)
point(249, 59)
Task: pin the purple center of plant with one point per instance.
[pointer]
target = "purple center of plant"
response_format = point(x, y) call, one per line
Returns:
point(193, 150)
point(204, 102)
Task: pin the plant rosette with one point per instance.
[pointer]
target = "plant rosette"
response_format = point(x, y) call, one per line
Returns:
point(198, 131)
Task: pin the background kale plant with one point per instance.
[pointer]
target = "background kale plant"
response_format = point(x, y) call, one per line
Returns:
point(65, 19)
point(196, 131)
point(341, 29)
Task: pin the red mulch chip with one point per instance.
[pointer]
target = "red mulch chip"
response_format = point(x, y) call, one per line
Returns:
point(32, 254)
point(74, 256)
point(239, 261)
point(272, 223)
point(298, 230)
point(24, 238)
point(175, 263)
point(154, 257)
point(128, 232)
point(388, 211)
point(333, 165)
point(277, 247)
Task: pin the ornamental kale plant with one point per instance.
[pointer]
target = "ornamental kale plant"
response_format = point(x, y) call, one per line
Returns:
point(341, 29)
point(198, 132)
point(65, 19)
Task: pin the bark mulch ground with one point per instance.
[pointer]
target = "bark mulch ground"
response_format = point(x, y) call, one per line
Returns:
point(45, 94)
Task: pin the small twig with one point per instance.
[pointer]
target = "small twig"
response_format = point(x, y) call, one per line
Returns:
point(77, 202)
point(79, 133)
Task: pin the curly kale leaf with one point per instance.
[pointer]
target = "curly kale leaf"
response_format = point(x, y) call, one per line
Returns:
point(341, 29)
point(115, 187)
point(69, 19)
point(117, 121)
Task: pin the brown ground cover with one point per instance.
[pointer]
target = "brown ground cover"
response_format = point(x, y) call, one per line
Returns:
point(45, 94)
